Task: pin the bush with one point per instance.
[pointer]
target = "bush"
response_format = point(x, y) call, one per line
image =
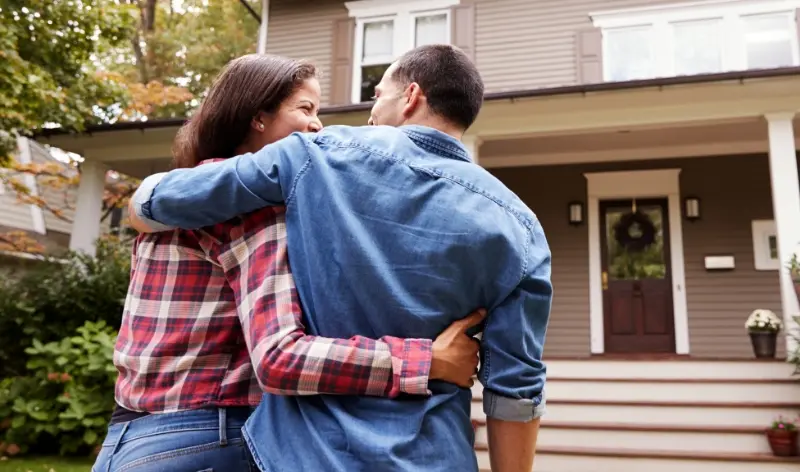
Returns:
point(58, 296)
point(65, 402)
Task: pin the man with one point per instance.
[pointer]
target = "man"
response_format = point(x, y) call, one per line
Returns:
point(392, 219)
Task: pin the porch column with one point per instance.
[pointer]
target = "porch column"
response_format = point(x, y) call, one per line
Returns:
point(786, 207)
point(262, 28)
point(88, 208)
point(473, 145)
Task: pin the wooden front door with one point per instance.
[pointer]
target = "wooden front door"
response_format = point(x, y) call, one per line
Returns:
point(636, 278)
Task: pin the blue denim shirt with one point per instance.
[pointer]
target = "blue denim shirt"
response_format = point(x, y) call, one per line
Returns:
point(392, 231)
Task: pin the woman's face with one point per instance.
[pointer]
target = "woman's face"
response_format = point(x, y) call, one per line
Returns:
point(296, 113)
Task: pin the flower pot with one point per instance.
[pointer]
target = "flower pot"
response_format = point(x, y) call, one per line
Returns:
point(797, 288)
point(783, 443)
point(763, 344)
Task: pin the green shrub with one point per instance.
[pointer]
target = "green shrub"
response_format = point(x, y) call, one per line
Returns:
point(65, 402)
point(57, 297)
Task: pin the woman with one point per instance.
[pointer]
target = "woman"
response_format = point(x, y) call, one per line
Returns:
point(212, 317)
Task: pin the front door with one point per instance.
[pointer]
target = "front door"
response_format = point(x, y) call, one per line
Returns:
point(636, 278)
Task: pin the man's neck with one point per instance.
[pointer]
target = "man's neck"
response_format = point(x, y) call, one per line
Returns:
point(439, 125)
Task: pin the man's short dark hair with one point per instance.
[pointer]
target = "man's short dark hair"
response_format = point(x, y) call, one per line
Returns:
point(447, 77)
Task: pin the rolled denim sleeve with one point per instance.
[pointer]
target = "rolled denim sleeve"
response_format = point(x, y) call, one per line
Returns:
point(141, 202)
point(216, 192)
point(512, 371)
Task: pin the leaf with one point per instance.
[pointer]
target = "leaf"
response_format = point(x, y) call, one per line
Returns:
point(90, 437)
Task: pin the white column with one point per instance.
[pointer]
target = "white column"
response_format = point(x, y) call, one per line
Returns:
point(786, 206)
point(262, 29)
point(89, 207)
point(473, 145)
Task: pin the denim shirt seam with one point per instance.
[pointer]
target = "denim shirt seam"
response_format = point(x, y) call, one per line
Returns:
point(436, 144)
point(300, 174)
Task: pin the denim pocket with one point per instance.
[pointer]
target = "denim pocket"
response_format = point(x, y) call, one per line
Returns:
point(185, 459)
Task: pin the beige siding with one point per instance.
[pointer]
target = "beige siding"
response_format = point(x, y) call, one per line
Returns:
point(304, 30)
point(61, 199)
point(521, 44)
point(718, 302)
point(14, 214)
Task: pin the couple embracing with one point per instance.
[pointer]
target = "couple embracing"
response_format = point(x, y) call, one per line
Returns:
point(360, 357)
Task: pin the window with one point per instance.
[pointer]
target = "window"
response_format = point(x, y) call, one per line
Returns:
point(698, 38)
point(384, 31)
point(765, 245)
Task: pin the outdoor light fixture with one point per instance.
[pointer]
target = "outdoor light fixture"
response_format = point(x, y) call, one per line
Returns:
point(575, 213)
point(691, 208)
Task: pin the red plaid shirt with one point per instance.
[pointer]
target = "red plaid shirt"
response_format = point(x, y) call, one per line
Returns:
point(212, 315)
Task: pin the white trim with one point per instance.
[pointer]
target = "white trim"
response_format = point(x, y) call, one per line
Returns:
point(263, 28)
point(689, 11)
point(785, 189)
point(372, 8)
point(403, 14)
point(37, 215)
point(659, 21)
point(636, 184)
point(762, 231)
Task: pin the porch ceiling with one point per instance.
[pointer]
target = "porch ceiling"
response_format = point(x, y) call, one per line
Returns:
point(692, 114)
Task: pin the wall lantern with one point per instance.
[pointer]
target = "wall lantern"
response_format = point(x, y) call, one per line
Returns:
point(575, 213)
point(691, 208)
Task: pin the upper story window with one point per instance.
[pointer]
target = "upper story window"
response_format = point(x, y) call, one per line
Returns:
point(385, 30)
point(698, 38)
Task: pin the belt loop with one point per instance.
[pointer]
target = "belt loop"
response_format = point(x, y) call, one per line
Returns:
point(223, 427)
point(116, 445)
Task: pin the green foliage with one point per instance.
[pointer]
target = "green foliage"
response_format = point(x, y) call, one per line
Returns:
point(67, 397)
point(46, 70)
point(57, 297)
point(794, 356)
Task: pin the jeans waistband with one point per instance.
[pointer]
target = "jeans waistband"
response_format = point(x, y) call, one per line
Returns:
point(220, 419)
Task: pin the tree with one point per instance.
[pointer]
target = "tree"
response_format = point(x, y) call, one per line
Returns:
point(47, 76)
point(127, 60)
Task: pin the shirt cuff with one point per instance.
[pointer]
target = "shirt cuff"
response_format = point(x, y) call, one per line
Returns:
point(413, 367)
point(519, 410)
point(142, 200)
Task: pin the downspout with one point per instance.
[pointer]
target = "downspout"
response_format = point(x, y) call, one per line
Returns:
point(262, 29)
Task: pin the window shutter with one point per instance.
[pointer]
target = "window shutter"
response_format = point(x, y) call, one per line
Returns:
point(462, 33)
point(589, 55)
point(342, 61)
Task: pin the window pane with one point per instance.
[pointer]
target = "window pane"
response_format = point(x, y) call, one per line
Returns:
point(768, 39)
point(629, 53)
point(370, 76)
point(378, 41)
point(431, 30)
point(698, 48)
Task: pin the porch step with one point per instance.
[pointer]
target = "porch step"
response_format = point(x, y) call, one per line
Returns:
point(602, 368)
point(671, 390)
point(681, 414)
point(647, 437)
point(582, 459)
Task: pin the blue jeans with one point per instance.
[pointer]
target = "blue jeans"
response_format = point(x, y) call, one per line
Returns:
point(207, 440)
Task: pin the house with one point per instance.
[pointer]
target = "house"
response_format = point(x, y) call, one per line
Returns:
point(51, 229)
point(683, 110)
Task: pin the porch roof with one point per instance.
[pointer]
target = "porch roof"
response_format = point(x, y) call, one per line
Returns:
point(141, 148)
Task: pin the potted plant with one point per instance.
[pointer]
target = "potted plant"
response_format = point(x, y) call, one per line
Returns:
point(782, 437)
point(763, 327)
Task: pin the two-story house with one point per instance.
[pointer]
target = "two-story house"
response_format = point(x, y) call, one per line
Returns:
point(656, 141)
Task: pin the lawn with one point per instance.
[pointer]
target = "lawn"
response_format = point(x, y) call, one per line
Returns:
point(46, 464)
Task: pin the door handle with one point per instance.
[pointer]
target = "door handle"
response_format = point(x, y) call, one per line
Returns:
point(605, 280)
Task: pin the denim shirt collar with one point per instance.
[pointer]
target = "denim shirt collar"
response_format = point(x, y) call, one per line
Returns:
point(436, 142)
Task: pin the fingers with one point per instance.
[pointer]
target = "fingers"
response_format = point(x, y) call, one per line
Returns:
point(474, 319)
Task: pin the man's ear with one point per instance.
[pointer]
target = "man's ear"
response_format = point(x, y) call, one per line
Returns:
point(414, 98)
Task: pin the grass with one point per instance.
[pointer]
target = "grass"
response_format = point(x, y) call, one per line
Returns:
point(46, 464)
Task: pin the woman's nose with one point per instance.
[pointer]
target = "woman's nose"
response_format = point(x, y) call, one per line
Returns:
point(315, 125)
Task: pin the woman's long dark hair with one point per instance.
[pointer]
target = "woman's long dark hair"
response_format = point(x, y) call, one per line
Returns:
point(247, 85)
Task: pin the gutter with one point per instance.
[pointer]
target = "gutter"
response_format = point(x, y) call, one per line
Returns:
point(584, 89)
